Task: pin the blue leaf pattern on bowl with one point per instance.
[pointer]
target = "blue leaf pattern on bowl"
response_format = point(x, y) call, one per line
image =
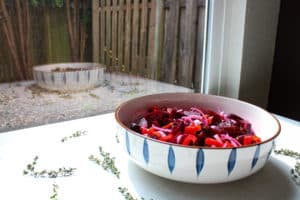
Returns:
point(146, 151)
point(255, 158)
point(171, 159)
point(231, 161)
point(127, 142)
point(199, 161)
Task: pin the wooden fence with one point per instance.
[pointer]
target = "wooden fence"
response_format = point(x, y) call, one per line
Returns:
point(157, 39)
point(49, 41)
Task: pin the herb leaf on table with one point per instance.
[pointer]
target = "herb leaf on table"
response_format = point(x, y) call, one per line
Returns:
point(126, 194)
point(74, 135)
point(54, 196)
point(295, 171)
point(106, 162)
point(60, 172)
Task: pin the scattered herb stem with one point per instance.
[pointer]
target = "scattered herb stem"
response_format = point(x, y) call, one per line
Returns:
point(295, 171)
point(60, 172)
point(74, 135)
point(54, 195)
point(106, 162)
point(287, 152)
point(126, 194)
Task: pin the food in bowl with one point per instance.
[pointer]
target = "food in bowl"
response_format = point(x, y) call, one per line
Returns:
point(193, 163)
point(195, 127)
point(72, 69)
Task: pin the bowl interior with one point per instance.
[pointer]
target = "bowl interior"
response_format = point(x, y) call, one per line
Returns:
point(263, 123)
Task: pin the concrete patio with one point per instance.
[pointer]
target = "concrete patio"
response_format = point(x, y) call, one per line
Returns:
point(24, 104)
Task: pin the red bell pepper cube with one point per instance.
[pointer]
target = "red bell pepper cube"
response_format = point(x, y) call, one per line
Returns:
point(189, 140)
point(212, 142)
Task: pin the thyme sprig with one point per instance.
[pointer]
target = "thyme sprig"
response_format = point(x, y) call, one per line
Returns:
point(60, 172)
point(124, 191)
point(106, 162)
point(295, 171)
point(287, 152)
point(54, 196)
point(74, 135)
point(126, 194)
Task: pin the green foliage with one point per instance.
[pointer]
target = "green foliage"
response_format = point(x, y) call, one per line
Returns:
point(34, 3)
point(85, 17)
point(85, 14)
point(59, 3)
point(49, 3)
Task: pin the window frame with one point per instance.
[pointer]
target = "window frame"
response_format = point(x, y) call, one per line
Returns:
point(239, 51)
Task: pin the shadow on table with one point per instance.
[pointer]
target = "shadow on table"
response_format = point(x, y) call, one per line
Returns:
point(272, 182)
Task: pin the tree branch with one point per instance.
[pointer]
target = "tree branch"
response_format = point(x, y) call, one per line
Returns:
point(9, 33)
point(76, 27)
point(70, 29)
point(21, 35)
point(27, 43)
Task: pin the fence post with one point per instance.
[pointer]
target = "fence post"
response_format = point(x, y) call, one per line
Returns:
point(187, 45)
point(95, 28)
point(170, 44)
point(158, 39)
point(198, 74)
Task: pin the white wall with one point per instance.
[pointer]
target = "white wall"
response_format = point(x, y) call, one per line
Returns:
point(258, 51)
point(240, 48)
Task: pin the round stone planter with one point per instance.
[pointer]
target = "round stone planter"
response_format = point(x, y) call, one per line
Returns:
point(69, 76)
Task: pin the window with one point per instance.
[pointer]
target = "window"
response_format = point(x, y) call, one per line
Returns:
point(145, 46)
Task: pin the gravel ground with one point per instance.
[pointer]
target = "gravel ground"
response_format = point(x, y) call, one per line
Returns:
point(24, 104)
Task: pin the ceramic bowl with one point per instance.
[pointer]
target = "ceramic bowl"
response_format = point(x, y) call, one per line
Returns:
point(87, 76)
point(196, 164)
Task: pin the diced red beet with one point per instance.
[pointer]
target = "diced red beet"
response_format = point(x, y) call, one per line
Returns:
point(195, 127)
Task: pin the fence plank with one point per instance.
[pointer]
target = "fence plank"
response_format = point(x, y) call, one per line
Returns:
point(168, 69)
point(181, 45)
point(121, 34)
point(143, 39)
point(135, 37)
point(182, 3)
point(127, 37)
point(185, 75)
point(114, 38)
point(154, 38)
point(156, 26)
point(102, 32)
point(105, 31)
point(95, 29)
point(199, 50)
point(109, 39)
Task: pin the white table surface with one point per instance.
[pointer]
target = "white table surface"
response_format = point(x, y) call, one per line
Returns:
point(91, 182)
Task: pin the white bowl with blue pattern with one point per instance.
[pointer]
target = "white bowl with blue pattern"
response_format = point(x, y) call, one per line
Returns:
point(196, 164)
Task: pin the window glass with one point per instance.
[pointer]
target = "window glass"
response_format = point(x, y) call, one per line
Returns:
point(62, 60)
